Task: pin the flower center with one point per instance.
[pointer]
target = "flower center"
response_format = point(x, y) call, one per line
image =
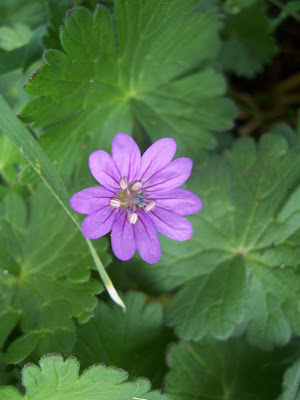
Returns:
point(131, 198)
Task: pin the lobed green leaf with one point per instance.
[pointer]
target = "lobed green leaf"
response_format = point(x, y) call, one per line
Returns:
point(57, 379)
point(134, 340)
point(35, 258)
point(246, 50)
point(146, 71)
point(231, 369)
point(238, 271)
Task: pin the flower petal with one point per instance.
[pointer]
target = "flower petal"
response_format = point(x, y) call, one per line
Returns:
point(171, 176)
point(157, 157)
point(146, 239)
point(122, 237)
point(181, 201)
point(126, 155)
point(171, 224)
point(91, 199)
point(104, 169)
point(99, 223)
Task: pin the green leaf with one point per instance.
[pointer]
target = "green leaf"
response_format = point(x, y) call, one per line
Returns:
point(94, 88)
point(56, 11)
point(211, 305)
point(291, 383)
point(28, 147)
point(9, 156)
point(226, 370)
point(237, 272)
point(284, 130)
point(56, 379)
point(35, 258)
point(30, 13)
point(246, 50)
point(10, 60)
point(10, 393)
point(8, 319)
point(235, 6)
point(14, 37)
point(125, 339)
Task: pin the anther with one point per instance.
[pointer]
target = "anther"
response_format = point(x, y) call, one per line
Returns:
point(136, 186)
point(133, 218)
point(150, 206)
point(115, 203)
point(123, 183)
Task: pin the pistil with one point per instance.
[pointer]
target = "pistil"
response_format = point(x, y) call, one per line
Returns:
point(131, 198)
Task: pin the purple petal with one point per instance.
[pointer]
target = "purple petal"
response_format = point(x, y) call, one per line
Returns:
point(146, 239)
point(171, 224)
point(126, 155)
point(171, 176)
point(181, 201)
point(157, 157)
point(90, 200)
point(122, 237)
point(104, 169)
point(99, 223)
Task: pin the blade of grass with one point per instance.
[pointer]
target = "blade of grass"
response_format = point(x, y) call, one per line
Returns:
point(34, 154)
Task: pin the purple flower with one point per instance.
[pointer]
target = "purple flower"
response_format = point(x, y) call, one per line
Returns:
point(138, 197)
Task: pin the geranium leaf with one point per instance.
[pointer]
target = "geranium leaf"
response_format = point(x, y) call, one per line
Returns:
point(56, 11)
point(8, 319)
point(97, 88)
point(245, 246)
point(246, 50)
point(30, 13)
point(212, 304)
point(291, 383)
point(35, 259)
point(57, 379)
point(141, 329)
point(9, 156)
point(212, 369)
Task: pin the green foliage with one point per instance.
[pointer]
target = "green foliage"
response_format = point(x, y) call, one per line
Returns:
point(103, 83)
point(30, 12)
point(153, 69)
point(9, 156)
point(14, 37)
point(290, 9)
point(291, 383)
point(248, 42)
point(36, 255)
point(140, 327)
point(235, 6)
point(238, 269)
point(226, 370)
point(56, 379)
point(56, 11)
point(20, 33)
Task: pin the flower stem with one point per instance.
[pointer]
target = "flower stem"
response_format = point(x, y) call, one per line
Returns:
point(105, 277)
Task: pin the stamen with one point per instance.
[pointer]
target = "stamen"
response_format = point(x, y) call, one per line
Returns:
point(133, 218)
point(136, 186)
point(115, 203)
point(150, 206)
point(123, 183)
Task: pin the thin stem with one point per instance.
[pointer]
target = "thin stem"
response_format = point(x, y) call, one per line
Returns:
point(280, 18)
point(37, 158)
